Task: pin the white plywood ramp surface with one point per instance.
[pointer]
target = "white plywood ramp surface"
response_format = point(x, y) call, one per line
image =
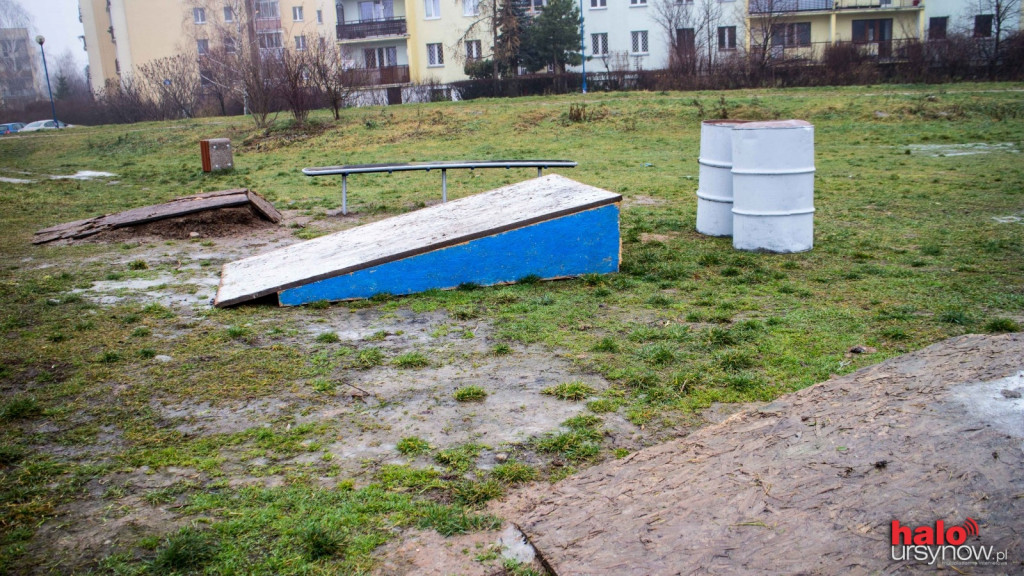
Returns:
point(418, 232)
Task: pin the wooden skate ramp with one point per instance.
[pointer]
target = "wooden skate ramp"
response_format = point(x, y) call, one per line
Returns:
point(811, 483)
point(549, 227)
point(144, 215)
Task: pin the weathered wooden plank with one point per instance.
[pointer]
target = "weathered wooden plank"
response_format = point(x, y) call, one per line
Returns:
point(425, 230)
point(178, 207)
point(583, 243)
point(264, 207)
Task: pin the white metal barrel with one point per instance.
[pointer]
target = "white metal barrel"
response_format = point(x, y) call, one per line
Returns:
point(714, 183)
point(773, 186)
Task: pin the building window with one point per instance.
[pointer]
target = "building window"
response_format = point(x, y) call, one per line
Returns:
point(638, 2)
point(937, 28)
point(229, 14)
point(470, 7)
point(199, 15)
point(229, 45)
point(726, 37)
point(983, 26)
point(268, 40)
point(866, 31)
point(267, 9)
point(474, 50)
point(380, 57)
point(300, 43)
point(435, 55)
point(792, 35)
point(319, 16)
point(598, 4)
point(639, 41)
point(203, 46)
point(686, 40)
point(538, 5)
point(297, 14)
point(432, 8)
point(599, 44)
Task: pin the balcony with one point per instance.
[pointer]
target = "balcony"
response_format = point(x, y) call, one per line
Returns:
point(880, 51)
point(267, 24)
point(377, 76)
point(781, 7)
point(379, 28)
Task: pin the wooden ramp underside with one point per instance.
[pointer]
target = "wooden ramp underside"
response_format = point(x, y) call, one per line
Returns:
point(178, 207)
point(550, 226)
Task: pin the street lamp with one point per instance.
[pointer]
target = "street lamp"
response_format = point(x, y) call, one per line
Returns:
point(53, 109)
point(583, 51)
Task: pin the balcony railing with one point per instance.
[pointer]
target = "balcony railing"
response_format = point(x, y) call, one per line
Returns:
point(359, 29)
point(377, 76)
point(785, 6)
point(264, 24)
point(882, 51)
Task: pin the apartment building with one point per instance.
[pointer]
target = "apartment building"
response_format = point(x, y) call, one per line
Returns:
point(20, 71)
point(638, 34)
point(397, 42)
point(123, 35)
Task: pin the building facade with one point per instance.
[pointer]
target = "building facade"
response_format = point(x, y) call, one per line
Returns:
point(121, 36)
point(21, 73)
point(398, 42)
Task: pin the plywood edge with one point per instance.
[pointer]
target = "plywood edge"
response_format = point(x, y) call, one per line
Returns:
point(264, 207)
point(614, 199)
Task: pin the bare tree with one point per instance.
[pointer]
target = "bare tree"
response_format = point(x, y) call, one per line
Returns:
point(766, 18)
point(237, 58)
point(989, 22)
point(691, 29)
point(126, 102)
point(12, 15)
point(295, 83)
point(503, 21)
point(70, 77)
point(174, 82)
point(327, 72)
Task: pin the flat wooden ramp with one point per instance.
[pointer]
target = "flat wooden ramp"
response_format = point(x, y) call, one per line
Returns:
point(178, 207)
point(811, 483)
point(549, 227)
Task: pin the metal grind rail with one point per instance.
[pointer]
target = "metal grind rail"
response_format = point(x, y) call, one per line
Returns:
point(540, 165)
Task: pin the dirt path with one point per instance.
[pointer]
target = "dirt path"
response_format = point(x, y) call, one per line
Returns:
point(811, 483)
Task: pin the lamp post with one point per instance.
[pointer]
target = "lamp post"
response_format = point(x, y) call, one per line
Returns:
point(40, 40)
point(583, 51)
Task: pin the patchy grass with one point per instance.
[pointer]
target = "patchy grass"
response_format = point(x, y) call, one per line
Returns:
point(472, 393)
point(413, 446)
point(909, 249)
point(574, 391)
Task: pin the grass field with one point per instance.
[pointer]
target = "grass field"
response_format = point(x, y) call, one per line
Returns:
point(919, 235)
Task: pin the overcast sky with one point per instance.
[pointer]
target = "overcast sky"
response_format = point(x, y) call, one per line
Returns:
point(57, 20)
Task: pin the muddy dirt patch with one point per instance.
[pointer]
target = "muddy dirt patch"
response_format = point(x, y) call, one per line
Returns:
point(811, 482)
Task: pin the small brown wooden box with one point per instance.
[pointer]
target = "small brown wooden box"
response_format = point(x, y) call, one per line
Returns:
point(216, 154)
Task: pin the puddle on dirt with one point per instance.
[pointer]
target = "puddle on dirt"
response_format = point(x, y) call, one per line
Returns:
point(970, 149)
point(997, 403)
point(1008, 219)
point(158, 290)
point(15, 180)
point(83, 175)
point(371, 410)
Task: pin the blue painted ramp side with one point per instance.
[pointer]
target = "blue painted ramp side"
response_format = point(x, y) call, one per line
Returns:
point(582, 243)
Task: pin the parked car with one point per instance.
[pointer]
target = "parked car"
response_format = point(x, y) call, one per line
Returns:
point(10, 128)
point(43, 125)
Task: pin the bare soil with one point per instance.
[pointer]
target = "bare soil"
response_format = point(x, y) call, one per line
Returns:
point(810, 483)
